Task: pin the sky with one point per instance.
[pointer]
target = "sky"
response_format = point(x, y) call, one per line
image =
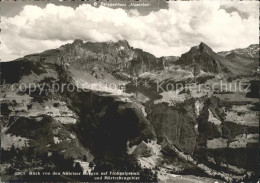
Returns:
point(161, 28)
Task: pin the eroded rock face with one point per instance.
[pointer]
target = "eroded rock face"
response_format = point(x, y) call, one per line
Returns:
point(176, 125)
point(107, 124)
point(228, 143)
point(220, 144)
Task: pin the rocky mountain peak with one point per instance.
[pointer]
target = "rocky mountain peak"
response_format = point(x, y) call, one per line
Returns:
point(196, 53)
point(201, 48)
point(204, 47)
point(203, 58)
point(96, 47)
point(78, 42)
point(124, 43)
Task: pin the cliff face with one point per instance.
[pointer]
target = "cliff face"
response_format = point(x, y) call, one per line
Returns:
point(222, 141)
point(107, 124)
point(174, 125)
point(202, 133)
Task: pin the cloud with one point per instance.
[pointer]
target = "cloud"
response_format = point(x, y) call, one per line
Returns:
point(165, 32)
point(245, 8)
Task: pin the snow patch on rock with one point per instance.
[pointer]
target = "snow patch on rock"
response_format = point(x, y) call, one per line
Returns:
point(56, 140)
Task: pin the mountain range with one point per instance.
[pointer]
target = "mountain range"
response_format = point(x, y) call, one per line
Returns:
point(156, 125)
point(117, 57)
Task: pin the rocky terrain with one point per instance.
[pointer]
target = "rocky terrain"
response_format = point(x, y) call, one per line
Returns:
point(168, 118)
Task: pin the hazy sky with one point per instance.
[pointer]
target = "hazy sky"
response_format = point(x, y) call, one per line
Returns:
point(162, 29)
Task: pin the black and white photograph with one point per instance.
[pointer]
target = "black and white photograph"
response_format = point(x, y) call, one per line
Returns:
point(129, 91)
